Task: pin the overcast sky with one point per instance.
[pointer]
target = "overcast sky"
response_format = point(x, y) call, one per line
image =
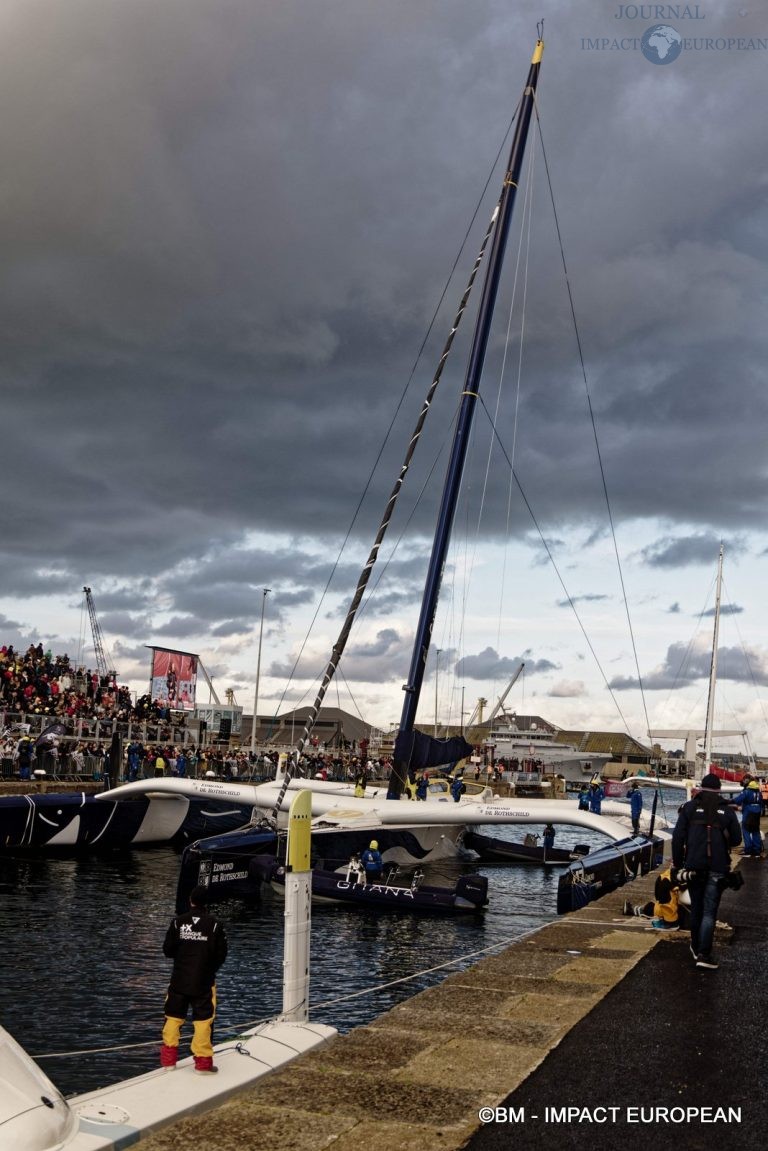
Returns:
point(225, 227)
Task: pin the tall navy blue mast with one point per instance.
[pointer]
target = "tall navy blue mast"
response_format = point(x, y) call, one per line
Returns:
point(463, 426)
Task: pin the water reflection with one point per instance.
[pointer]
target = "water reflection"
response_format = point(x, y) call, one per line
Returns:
point(84, 965)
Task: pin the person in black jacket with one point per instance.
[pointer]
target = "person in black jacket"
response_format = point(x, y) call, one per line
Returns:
point(705, 833)
point(197, 944)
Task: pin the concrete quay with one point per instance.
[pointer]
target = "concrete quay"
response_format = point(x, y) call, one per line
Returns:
point(593, 1009)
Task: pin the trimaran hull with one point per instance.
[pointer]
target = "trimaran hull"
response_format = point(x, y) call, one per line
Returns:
point(342, 808)
point(76, 822)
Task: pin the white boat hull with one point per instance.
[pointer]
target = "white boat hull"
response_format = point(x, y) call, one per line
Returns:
point(28, 1125)
point(469, 812)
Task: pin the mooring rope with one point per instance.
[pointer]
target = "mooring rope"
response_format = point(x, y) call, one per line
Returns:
point(237, 1032)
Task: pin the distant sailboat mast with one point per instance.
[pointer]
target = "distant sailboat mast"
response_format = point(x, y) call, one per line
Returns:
point(460, 444)
point(709, 726)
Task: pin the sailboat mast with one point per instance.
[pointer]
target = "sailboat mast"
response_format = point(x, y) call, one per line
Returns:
point(713, 668)
point(460, 444)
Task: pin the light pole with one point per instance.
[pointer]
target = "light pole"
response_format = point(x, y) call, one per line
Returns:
point(437, 668)
point(265, 593)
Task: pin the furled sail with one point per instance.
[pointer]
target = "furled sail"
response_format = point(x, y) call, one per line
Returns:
point(419, 751)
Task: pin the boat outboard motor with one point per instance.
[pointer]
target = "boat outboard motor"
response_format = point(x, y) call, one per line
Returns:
point(263, 868)
point(472, 889)
point(33, 1115)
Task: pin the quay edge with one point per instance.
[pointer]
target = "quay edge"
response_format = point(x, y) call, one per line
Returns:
point(416, 1078)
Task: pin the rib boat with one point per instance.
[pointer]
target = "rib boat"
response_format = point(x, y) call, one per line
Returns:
point(397, 892)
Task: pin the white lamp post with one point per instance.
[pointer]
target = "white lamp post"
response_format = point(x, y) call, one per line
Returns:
point(437, 668)
point(254, 725)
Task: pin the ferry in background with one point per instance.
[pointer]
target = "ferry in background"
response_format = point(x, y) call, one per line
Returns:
point(531, 745)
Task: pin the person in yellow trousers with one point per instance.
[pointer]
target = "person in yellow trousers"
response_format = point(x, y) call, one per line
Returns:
point(197, 944)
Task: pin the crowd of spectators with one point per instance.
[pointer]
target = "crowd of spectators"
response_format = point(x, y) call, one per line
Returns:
point(36, 682)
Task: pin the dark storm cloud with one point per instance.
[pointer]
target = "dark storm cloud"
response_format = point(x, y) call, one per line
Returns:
point(215, 601)
point(228, 628)
point(11, 630)
point(589, 597)
point(684, 551)
point(131, 598)
point(573, 689)
point(21, 576)
point(215, 279)
point(180, 626)
point(123, 623)
point(383, 603)
point(541, 554)
point(378, 661)
point(488, 664)
point(725, 609)
point(230, 588)
point(682, 667)
point(138, 653)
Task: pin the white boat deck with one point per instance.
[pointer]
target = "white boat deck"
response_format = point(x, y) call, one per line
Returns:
point(120, 1115)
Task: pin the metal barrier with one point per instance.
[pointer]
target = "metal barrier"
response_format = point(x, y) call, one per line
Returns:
point(91, 728)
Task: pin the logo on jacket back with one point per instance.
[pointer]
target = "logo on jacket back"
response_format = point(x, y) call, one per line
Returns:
point(188, 934)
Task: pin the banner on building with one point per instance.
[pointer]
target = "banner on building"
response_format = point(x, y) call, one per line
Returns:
point(173, 679)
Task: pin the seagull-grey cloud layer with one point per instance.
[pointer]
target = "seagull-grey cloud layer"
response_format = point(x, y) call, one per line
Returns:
point(225, 225)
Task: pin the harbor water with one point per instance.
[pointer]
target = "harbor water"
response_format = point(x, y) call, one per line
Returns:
point(83, 964)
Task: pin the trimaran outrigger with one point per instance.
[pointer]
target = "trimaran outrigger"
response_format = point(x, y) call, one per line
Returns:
point(414, 750)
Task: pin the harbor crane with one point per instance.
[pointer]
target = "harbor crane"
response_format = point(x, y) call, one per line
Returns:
point(102, 664)
point(500, 704)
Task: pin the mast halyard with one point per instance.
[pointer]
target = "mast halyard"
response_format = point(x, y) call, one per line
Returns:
point(460, 444)
point(708, 727)
point(362, 583)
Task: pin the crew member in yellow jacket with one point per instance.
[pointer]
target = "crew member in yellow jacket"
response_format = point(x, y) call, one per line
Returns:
point(668, 912)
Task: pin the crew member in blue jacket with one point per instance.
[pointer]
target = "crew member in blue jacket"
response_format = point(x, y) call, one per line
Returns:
point(458, 787)
point(751, 803)
point(24, 756)
point(134, 761)
point(584, 798)
point(596, 797)
point(635, 807)
point(706, 832)
point(372, 862)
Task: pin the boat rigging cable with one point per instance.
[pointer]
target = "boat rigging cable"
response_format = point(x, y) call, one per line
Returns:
point(525, 231)
point(713, 666)
point(745, 653)
point(524, 235)
point(365, 574)
point(592, 419)
point(514, 478)
point(237, 1031)
point(471, 394)
point(553, 561)
point(407, 734)
point(408, 382)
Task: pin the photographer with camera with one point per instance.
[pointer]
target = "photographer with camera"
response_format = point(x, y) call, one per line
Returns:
point(706, 831)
